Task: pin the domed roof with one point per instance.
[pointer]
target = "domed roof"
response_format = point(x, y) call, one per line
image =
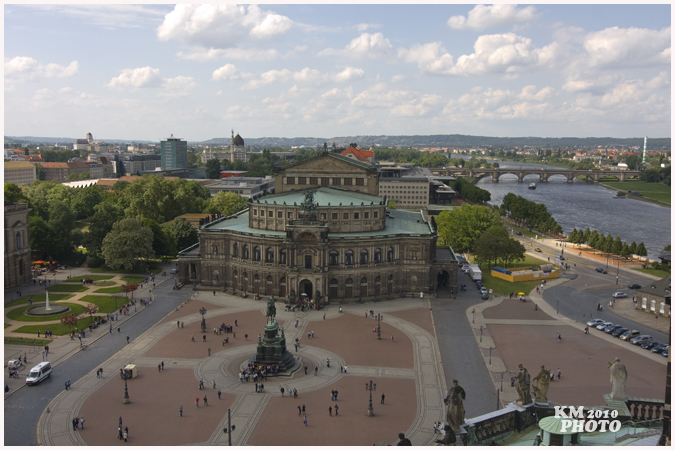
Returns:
point(238, 141)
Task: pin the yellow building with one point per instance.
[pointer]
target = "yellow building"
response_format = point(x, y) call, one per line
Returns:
point(19, 172)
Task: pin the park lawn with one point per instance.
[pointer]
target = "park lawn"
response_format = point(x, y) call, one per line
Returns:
point(27, 341)
point(106, 304)
point(58, 329)
point(104, 283)
point(655, 272)
point(123, 271)
point(38, 298)
point(133, 279)
point(17, 314)
point(67, 288)
point(110, 290)
point(8, 325)
point(529, 261)
point(504, 287)
point(652, 191)
point(93, 277)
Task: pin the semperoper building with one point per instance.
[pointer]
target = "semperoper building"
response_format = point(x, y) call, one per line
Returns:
point(324, 233)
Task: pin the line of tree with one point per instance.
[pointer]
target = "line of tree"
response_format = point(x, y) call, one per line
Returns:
point(469, 191)
point(421, 159)
point(530, 214)
point(607, 244)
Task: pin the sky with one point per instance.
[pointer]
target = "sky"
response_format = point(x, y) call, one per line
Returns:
point(146, 71)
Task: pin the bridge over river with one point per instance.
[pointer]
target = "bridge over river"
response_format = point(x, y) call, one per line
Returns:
point(544, 173)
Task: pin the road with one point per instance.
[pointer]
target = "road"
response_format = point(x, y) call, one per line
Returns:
point(24, 408)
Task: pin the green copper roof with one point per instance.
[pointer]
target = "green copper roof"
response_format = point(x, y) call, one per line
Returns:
point(323, 196)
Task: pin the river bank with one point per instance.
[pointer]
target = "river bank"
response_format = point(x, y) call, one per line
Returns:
point(642, 187)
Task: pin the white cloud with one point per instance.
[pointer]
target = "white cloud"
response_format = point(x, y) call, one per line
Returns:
point(482, 17)
point(616, 47)
point(365, 46)
point(179, 86)
point(109, 16)
point(243, 54)
point(143, 77)
point(500, 104)
point(382, 95)
point(229, 72)
point(361, 27)
point(308, 78)
point(221, 26)
point(425, 106)
point(22, 68)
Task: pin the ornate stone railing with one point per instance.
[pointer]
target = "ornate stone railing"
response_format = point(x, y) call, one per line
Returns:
point(645, 408)
point(494, 426)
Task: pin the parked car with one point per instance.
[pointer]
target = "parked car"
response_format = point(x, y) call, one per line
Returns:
point(634, 286)
point(618, 332)
point(630, 334)
point(598, 324)
point(641, 339)
point(484, 296)
point(14, 364)
point(518, 233)
point(538, 250)
point(465, 269)
point(619, 295)
point(562, 258)
point(594, 322)
point(602, 326)
point(483, 290)
point(664, 353)
point(659, 348)
point(479, 284)
point(600, 270)
point(649, 345)
point(611, 329)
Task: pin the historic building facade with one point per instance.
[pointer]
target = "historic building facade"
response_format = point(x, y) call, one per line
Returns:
point(325, 234)
point(17, 247)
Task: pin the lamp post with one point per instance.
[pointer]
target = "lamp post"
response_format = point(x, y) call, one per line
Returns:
point(126, 393)
point(473, 319)
point(501, 381)
point(202, 311)
point(378, 326)
point(490, 361)
point(370, 387)
point(618, 263)
point(229, 429)
point(481, 333)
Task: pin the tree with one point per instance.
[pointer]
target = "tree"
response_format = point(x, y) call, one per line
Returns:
point(14, 194)
point(641, 249)
point(625, 250)
point(650, 176)
point(86, 199)
point(617, 245)
point(226, 203)
point(42, 237)
point(213, 168)
point(69, 320)
point(40, 172)
point(129, 287)
point(587, 235)
point(120, 186)
point(633, 248)
point(62, 221)
point(127, 242)
point(666, 248)
point(91, 309)
point(184, 234)
point(163, 243)
point(461, 227)
point(633, 162)
point(101, 224)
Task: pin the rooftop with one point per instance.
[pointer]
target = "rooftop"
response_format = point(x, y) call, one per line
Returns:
point(323, 196)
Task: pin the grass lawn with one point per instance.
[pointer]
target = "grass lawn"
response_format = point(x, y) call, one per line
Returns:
point(58, 329)
point(654, 191)
point(107, 270)
point(110, 290)
point(17, 314)
point(66, 288)
point(8, 325)
point(38, 298)
point(27, 341)
point(658, 273)
point(106, 304)
point(133, 279)
point(93, 277)
point(104, 283)
point(500, 286)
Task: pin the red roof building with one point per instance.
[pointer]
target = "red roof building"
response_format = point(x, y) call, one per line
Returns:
point(360, 155)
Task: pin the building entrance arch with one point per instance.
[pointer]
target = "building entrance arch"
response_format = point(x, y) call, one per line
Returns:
point(442, 278)
point(305, 287)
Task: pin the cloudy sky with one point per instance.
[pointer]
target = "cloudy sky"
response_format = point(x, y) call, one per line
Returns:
point(197, 71)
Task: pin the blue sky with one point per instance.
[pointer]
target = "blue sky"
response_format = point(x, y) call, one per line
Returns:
point(132, 71)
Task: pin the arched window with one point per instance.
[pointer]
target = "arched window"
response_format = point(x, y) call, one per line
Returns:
point(349, 282)
point(377, 279)
point(245, 252)
point(333, 282)
point(269, 278)
point(270, 255)
point(333, 258)
point(390, 254)
point(256, 278)
point(256, 253)
point(378, 256)
point(349, 257)
point(235, 250)
point(363, 259)
point(214, 249)
point(282, 256)
point(390, 279)
point(364, 280)
point(18, 240)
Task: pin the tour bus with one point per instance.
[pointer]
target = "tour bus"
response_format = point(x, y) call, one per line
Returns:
point(39, 373)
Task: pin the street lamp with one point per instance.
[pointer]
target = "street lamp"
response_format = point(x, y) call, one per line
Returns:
point(618, 263)
point(473, 319)
point(202, 311)
point(229, 429)
point(490, 362)
point(378, 326)
point(501, 381)
point(370, 387)
point(126, 393)
point(481, 333)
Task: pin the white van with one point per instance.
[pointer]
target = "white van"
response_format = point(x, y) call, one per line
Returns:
point(39, 373)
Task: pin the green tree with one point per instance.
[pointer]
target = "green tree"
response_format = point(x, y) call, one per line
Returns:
point(226, 203)
point(120, 186)
point(641, 249)
point(163, 243)
point(625, 250)
point(107, 213)
point(42, 238)
point(633, 162)
point(40, 172)
point(461, 227)
point(86, 199)
point(608, 243)
point(650, 176)
point(154, 197)
point(184, 234)
point(617, 245)
point(14, 194)
point(633, 248)
point(61, 221)
point(126, 243)
point(213, 168)
point(587, 235)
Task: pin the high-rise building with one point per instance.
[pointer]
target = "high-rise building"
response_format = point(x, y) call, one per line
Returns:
point(174, 153)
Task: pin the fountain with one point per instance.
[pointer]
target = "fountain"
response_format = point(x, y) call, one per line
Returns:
point(47, 310)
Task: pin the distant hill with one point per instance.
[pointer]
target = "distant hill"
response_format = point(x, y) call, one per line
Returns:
point(437, 140)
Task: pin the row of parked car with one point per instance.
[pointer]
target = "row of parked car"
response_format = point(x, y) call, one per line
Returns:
point(632, 336)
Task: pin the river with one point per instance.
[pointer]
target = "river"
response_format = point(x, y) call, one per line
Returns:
point(580, 205)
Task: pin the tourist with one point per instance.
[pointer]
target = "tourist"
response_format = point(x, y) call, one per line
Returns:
point(181, 410)
point(305, 420)
point(336, 409)
point(330, 411)
point(299, 410)
point(382, 402)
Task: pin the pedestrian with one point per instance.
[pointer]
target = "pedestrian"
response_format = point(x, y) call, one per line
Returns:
point(558, 372)
point(192, 338)
point(559, 338)
point(552, 376)
point(181, 410)
point(341, 368)
point(82, 422)
point(345, 368)
point(296, 347)
point(214, 293)
point(305, 370)
point(392, 338)
point(340, 311)
point(303, 408)
point(75, 423)
point(305, 420)
point(235, 323)
point(316, 371)
point(159, 367)
point(178, 326)
point(197, 402)
point(120, 434)
point(206, 401)
point(204, 338)
point(295, 392)
point(246, 337)
point(66, 385)
point(213, 383)
point(127, 339)
point(586, 330)
point(162, 365)
point(120, 422)
point(299, 410)
point(336, 409)
point(330, 411)
point(324, 315)
point(118, 329)
point(282, 391)
point(219, 394)
point(312, 333)
point(382, 402)
point(126, 435)
point(182, 324)
point(309, 334)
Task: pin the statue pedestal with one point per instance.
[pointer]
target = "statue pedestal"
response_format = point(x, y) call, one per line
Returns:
point(271, 349)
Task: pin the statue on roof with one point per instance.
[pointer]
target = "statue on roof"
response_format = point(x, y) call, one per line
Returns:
point(308, 204)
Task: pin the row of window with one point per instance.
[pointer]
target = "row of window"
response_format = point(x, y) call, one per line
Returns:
point(325, 181)
point(334, 216)
point(333, 255)
point(333, 281)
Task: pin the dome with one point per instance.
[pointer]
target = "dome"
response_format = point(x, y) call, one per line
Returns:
point(238, 141)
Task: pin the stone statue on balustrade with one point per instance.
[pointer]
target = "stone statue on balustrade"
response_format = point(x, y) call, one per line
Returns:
point(618, 376)
point(523, 385)
point(308, 204)
point(541, 388)
point(454, 399)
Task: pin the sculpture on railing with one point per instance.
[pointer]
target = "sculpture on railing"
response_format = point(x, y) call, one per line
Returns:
point(618, 376)
point(454, 399)
point(543, 382)
point(308, 204)
point(523, 385)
